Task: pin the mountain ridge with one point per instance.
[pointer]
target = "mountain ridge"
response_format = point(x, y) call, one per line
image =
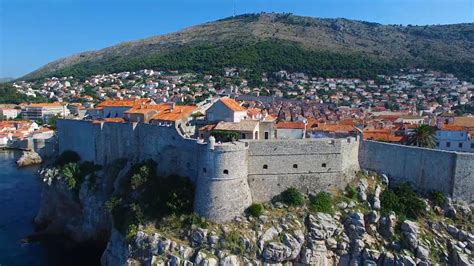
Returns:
point(440, 47)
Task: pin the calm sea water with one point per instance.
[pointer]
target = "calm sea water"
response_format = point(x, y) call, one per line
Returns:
point(20, 193)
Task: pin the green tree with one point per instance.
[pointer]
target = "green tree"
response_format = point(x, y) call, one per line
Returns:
point(423, 136)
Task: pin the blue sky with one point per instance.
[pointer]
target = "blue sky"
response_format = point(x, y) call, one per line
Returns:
point(35, 32)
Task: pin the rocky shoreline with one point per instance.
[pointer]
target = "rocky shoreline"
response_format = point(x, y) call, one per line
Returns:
point(356, 232)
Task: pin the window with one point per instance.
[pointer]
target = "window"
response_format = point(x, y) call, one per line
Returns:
point(472, 145)
point(226, 172)
point(323, 165)
point(437, 144)
point(256, 135)
point(295, 166)
point(204, 170)
point(460, 144)
point(448, 144)
point(243, 135)
point(266, 134)
point(265, 166)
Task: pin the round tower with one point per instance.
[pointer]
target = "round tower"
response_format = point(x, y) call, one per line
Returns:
point(222, 191)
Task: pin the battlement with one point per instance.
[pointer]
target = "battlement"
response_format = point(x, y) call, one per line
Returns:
point(230, 176)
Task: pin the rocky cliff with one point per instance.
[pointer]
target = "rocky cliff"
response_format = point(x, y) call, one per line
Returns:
point(367, 223)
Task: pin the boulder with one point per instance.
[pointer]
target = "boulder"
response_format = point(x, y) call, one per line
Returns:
point(322, 226)
point(293, 244)
point(269, 234)
point(29, 158)
point(384, 179)
point(276, 252)
point(198, 236)
point(230, 260)
point(422, 252)
point(387, 224)
point(316, 255)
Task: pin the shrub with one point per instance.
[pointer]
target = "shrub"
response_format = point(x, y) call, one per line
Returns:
point(293, 197)
point(438, 198)
point(322, 202)
point(256, 209)
point(404, 201)
point(233, 243)
point(112, 203)
point(350, 192)
point(72, 175)
point(142, 173)
point(67, 157)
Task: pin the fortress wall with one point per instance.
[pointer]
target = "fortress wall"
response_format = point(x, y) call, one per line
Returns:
point(222, 191)
point(463, 185)
point(310, 165)
point(425, 169)
point(106, 142)
point(78, 136)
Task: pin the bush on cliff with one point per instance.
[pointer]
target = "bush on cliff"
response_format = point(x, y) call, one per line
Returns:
point(322, 202)
point(142, 173)
point(404, 201)
point(350, 192)
point(150, 198)
point(293, 197)
point(438, 198)
point(256, 209)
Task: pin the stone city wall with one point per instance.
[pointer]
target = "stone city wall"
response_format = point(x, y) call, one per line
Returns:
point(310, 165)
point(427, 170)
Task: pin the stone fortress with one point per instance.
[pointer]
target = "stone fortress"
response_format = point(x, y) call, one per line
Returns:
point(230, 176)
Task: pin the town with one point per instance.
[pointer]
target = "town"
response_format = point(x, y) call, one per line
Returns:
point(283, 106)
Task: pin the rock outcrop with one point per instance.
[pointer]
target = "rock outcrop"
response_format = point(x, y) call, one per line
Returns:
point(29, 158)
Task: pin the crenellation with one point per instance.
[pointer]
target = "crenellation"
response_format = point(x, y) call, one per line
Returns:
point(230, 176)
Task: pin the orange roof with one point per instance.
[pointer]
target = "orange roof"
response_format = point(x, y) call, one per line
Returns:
point(232, 104)
point(124, 102)
point(290, 125)
point(467, 121)
point(147, 108)
point(254, 111)
point(382, 137)
point(114, 119)
point(451, 127)
point(207, 127)
point(56, 104)
point(177, 113)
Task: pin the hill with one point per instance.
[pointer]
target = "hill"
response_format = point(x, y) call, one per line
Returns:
point(271, 42)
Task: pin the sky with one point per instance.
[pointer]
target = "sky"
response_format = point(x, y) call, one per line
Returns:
point(35, 32)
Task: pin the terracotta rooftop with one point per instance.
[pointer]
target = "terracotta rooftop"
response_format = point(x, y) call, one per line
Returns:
point(451, 127)
point(124, 102)
point(290, 125)
point(173, 114)
point(232, 104)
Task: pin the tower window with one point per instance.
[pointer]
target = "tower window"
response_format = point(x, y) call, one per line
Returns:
point(323, 165)
point(295, 166)
point(265, 166)
point(226, 172)
point(204, 170)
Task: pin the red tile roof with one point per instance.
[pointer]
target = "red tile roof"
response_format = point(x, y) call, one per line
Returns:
point(232, 104)
point(290, 125)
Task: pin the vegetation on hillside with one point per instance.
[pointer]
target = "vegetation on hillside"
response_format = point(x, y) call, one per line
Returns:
point(148, 198)
point(272, 42)
point(9, 94)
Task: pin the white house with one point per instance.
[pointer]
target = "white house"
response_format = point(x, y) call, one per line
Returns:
point(226, 109)
point(8, 113)
point(455, 138)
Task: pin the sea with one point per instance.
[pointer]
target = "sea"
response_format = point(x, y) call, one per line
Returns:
point(20, 195)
